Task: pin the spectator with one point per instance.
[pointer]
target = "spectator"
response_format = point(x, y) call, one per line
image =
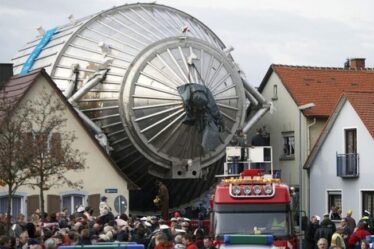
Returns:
point(5, 242)
point(357, 236)
point(18, 227)
point(188, 242)
point(163, 194)
point(313, 225)
point(337, 238)
point(322, 243)
point(346, 231)
point(208, 243)
point(326, 230)
point(85, 237)
point(334, 213)
point(350, 221)
point(365, 245)
point(161, 241)
point(23, 240)
point(103, 206)
point(50, 244)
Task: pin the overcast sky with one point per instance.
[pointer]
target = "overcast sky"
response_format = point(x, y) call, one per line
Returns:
point(295, 32)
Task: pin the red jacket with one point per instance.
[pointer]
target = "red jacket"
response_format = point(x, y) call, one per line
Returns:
point(359, 234)
point(191, 245)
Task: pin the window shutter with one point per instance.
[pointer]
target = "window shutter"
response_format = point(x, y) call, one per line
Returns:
point(53, 203)
point(32, 204)
point(56, 149)
point(94, 202)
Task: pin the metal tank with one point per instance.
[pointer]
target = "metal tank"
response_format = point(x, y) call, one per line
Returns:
point(121, 68)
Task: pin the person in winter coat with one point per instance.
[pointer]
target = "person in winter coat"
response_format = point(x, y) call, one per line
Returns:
point(163, 194)
point(311, 229)
point(358, 236)
point(188, 241)
point(326, 230)
point(337, 238)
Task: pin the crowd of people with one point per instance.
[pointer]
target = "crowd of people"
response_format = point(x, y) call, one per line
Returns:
point(324, 233)
point(49, 231)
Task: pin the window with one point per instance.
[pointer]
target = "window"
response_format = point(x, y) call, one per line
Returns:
point(288, 145)
point(368, 201)
point(72, 202)
point(350, 141)
point(16, 205)
point(348, 163)
point(275, 92)
point(48, 142)
point(334, 204)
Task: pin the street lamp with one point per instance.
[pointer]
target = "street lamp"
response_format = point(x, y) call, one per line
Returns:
point(301, 108)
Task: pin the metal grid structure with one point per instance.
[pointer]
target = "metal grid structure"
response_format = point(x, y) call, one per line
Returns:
point(146, 51)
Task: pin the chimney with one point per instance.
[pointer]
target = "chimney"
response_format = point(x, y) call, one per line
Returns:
point(6, 71)
point(355, 63)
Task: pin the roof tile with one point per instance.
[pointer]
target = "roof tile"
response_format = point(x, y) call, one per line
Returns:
point(363, 103)
point(322, 85)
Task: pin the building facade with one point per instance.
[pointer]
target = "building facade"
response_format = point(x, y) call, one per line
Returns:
point(340, 165)
point(101, 177)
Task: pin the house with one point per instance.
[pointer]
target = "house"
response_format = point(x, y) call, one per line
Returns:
point(303, 98)
point(340, 165)
point(101, 175)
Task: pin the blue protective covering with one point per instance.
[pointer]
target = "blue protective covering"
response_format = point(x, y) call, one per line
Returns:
point(37, 50)
point(114, 245)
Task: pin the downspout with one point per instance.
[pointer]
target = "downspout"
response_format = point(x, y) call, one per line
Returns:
point(308, 150)
point(308, 134)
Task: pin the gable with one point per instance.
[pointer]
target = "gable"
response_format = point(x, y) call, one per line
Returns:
point(332, 136)
point(85, 137)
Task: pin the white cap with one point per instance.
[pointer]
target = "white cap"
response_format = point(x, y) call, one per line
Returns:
point(162, 227)
point(80, 209)
point(147, 224)
point(317, 217)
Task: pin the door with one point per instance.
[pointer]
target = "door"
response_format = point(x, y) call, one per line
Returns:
point(351, 151)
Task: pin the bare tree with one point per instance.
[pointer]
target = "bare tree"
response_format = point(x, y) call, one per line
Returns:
point(15, 152)
point(54, 154)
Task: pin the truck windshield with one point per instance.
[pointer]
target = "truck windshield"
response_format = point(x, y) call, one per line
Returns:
point(274, 223)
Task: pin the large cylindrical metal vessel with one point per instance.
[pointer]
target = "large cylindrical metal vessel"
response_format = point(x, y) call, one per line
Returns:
point(146, 51)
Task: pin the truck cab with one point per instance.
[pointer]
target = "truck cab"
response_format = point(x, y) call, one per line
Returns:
point(252, 207)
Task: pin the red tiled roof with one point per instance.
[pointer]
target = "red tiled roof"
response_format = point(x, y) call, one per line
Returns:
point(321, 85)
point(16, 88)
point(363, 103)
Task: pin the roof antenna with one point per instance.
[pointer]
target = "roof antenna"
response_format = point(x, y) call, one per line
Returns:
point(346, 64)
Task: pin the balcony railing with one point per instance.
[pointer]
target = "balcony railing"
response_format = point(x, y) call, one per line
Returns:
point(347, 165)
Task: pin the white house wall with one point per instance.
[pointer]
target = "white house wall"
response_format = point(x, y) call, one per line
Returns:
point(323, 170)
point(99, 173)
point(283, 118)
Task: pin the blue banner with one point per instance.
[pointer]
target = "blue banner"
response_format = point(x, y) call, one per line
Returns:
point(37, 50)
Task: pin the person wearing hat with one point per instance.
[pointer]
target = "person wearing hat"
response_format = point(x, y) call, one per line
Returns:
point(311, 229)
point(350, 220)
point(326, 229)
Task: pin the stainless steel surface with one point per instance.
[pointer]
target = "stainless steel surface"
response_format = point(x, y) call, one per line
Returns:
point(151, 48)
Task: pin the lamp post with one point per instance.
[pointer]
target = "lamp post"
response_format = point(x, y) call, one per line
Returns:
point(301, 108)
